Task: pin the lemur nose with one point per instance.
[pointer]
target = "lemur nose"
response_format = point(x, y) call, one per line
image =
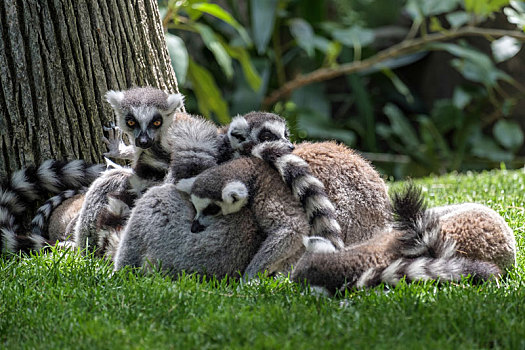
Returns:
point(291, 146)
point(196, 227)
point(143, 142)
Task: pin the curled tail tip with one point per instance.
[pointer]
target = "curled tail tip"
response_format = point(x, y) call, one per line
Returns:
point(317, 244)
point(408, 203)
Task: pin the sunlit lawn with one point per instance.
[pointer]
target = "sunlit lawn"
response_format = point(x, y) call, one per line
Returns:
point(68, 301)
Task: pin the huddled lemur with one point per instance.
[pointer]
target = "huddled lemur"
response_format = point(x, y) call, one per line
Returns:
point(145, 115)
point(442, 243)
point(24, 187)
point(197, 146)
point(266, 231)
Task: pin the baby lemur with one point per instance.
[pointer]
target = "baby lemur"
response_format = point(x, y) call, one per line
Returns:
point(443, 243)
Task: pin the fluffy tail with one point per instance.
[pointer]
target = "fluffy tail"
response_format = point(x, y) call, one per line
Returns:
point(195, 148)
point(18, 193)
point(423, 269)
point(421, 230)
point(112, 220)
point(40, 222)
point(305, 187)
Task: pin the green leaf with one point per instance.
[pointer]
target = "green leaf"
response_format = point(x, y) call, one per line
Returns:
point(504, 48)
point(252, 76)
point(485, 148)
point(473, 64)
point(401, 126)
point(515, 17)
point(213, 43)
point(179, 56)
point(354, 36)
point(457, 19)
point(399, 85)
point(484, 7)
point(434, 136)
point(446, 116)
point(303, 33)
point(208, 94)
point(461, 98)
point(427, 8)
point(312, 97)
point(508, 134)
point(332, 52)
point(218, 12)
point(263, 20)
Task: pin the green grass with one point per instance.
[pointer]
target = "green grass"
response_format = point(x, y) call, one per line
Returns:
point(69, 301)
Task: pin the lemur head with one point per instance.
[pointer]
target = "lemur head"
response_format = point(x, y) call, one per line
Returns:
point(255, 128)
point(144, 113)
point(214, 192)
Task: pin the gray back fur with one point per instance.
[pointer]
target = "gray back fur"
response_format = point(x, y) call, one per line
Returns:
point(264, 235)
point(115, 180)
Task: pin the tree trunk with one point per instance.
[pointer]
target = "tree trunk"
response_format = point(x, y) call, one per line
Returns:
point(57, 60)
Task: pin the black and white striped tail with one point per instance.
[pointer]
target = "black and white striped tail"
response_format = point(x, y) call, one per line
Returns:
point(24, 187)
point(296, 173)
point(112, 220)
point(421, 230)
point(424, 269)
point(40, 222)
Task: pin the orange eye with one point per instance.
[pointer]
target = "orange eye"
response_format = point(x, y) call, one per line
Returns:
point(131, 122)
point(157, 123)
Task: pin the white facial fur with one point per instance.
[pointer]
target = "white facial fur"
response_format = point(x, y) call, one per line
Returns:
point(200, 204)
point(238, 126)
point(234, 196)
point(143, 114)
point(277, 128)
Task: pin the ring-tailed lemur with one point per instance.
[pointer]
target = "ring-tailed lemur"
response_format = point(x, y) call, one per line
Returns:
point(446, 243)
point(33, 184)
point(159, 228)
point(197, 146)
point(145, 116)
point(261, 231)
point(360, 195)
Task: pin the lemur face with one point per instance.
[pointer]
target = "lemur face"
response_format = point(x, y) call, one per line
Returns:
point(144, 113)
point(234, 196)
point(256, 128)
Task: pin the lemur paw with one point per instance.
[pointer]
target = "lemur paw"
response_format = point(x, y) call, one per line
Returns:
point(116, 146)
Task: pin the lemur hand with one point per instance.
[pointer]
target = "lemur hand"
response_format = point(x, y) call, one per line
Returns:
point(116, 146)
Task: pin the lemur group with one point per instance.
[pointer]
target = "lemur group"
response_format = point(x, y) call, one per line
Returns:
point(242, 200)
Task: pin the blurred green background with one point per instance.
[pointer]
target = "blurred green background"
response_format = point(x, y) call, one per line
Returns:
point(435, 85)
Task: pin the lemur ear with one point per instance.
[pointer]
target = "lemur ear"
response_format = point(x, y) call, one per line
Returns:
point(235, 192)
point(115, 98)
point(112, 165)
point(238, 132)
point(317, 244)
point(185, 185)
point(174, 101)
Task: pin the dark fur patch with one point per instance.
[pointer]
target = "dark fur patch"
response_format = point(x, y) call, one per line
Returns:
point(408, 206)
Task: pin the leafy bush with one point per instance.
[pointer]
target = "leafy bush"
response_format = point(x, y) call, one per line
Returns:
point(348, 70)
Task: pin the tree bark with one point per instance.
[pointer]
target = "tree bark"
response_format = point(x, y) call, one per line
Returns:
point(57, 60)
